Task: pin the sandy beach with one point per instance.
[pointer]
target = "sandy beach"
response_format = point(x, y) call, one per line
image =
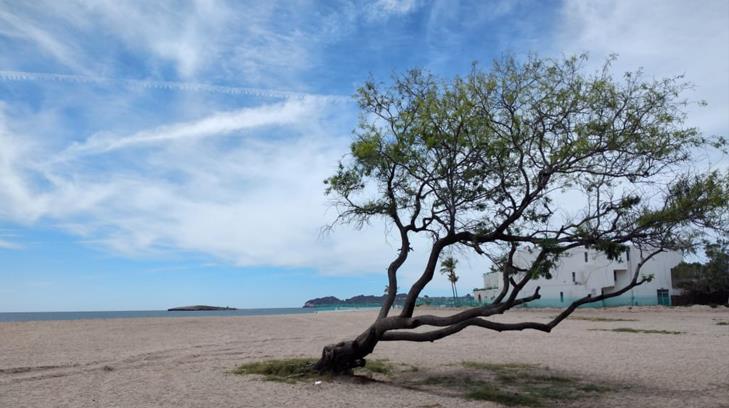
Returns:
point(187, 362)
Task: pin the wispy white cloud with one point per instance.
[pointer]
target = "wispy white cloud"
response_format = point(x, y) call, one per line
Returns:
point(383, 9)
point(217, 124)
point(5, 244)
point(6, 75)
point(450, 25)
point(666, 38)
point(255, 43)
point(46, 41)
point(19, 201)
point(256, 200)
point(184, 33)
point(241, 184)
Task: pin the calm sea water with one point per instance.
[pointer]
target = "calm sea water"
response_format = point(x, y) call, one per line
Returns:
point(29, 316)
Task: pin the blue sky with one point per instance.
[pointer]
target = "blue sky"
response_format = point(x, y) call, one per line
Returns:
point(154, 154)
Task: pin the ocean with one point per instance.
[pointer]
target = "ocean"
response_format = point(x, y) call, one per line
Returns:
point(34, 316)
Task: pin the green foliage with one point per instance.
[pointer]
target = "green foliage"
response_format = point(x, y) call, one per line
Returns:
point(700, 200)
point(705, 279)
point(448, 268)
point(479, 160)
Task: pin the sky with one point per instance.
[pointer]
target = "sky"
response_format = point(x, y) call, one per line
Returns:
point(158, 154)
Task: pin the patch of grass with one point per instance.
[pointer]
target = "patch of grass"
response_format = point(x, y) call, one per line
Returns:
point(515, 384)
point(631, 330)
point(450, 381)
point(601, 319)
point(593, 388)
point(291, 370)
point(507, 384)
point(477, 365)
point(533, 390)
point(518, 372)
point(281, 370)
point(377, 366)
point(488, 392)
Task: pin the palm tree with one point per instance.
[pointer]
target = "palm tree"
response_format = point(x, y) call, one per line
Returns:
point(448, 268)
point(387, 290)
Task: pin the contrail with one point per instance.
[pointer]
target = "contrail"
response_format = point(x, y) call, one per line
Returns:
point(168, 85)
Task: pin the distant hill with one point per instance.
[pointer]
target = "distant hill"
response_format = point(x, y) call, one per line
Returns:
point(362, 300)
point(358, 300)
point(197, 308)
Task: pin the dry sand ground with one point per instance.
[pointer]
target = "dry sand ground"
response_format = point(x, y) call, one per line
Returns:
point(186, 362)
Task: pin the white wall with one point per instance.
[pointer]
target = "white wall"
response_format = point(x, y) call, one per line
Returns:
point(592, 277)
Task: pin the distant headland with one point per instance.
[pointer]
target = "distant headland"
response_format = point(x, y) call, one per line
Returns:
point(371, 300)
point(197, 308)
point(353, 301)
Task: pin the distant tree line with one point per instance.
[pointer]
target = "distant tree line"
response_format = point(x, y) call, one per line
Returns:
point(706, 283)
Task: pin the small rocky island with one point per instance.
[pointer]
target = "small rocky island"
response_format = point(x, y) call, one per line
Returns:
point(198, 308)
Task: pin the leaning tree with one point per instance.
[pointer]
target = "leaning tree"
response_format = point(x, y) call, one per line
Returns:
point(533, 155)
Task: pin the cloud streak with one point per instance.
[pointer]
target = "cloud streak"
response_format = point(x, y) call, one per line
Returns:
point(217, 124)
point(6, 75)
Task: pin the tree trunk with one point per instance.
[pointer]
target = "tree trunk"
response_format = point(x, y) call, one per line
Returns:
point(341, 358)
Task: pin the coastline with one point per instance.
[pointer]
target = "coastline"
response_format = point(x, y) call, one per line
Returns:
point(6, 317)
point(136, 314)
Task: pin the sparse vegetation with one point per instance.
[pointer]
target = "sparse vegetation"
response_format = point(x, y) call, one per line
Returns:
point(488, 392)
point(376, 366)
point(631, 330)
point(508, 384)
point(514, 384)
point(602, 319)
point(722, 323)
point(291, 370)
point(283, 370)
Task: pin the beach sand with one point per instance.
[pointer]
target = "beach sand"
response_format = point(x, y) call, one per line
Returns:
point(187, 362)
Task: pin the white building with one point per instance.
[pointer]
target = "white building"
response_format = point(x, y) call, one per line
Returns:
point(582, 271)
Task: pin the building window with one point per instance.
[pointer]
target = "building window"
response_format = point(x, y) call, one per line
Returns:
point(561, 296)
point(585, 256)
point(574, 277)
point(627, 254)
